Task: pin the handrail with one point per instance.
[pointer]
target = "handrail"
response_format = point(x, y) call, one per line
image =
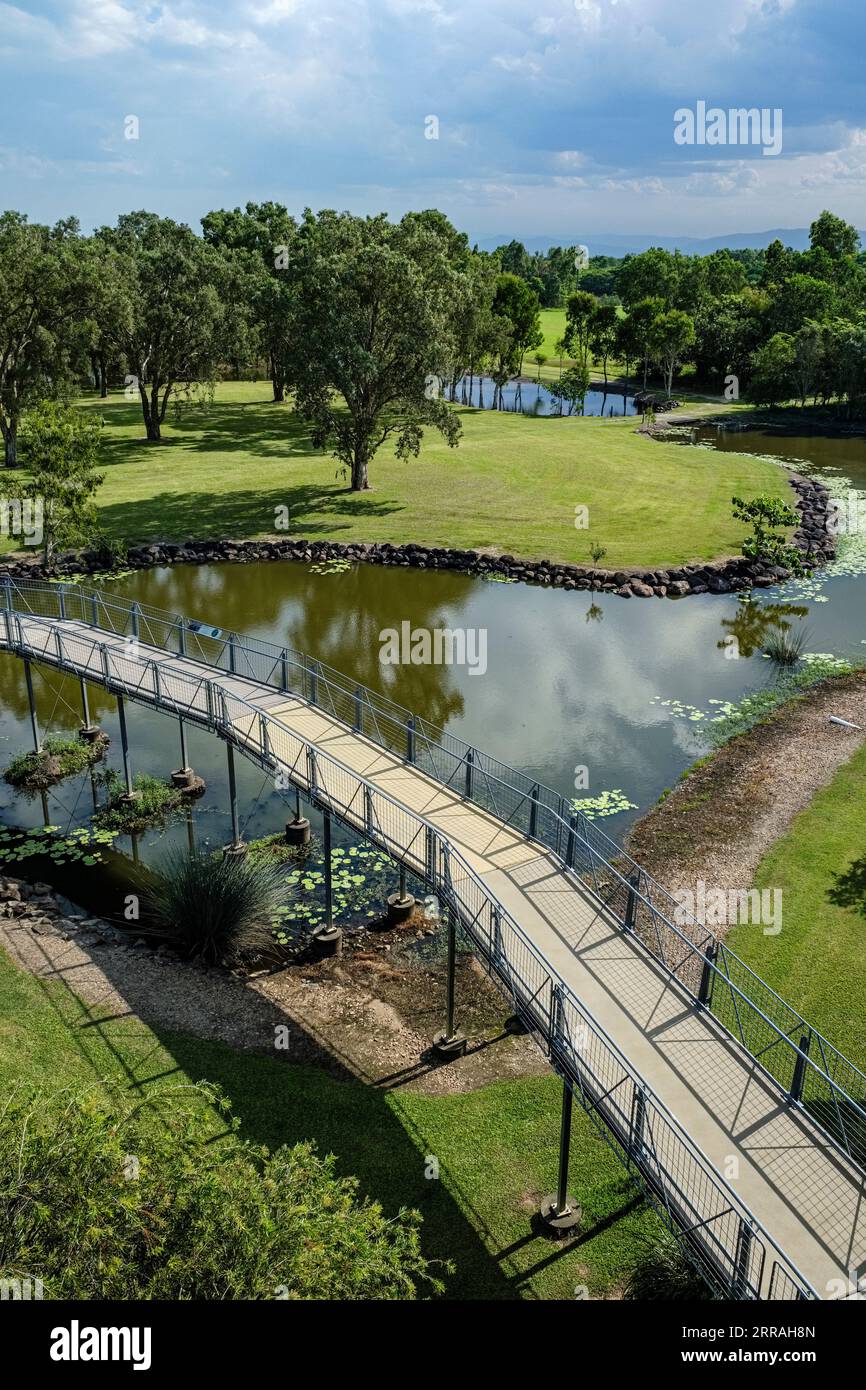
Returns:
point(736, 1272)
point(706, 968)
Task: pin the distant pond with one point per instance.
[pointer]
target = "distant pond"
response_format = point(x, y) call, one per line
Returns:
point(527, 397)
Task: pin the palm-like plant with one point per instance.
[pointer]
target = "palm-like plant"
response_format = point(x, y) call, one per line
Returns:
point(219, 910)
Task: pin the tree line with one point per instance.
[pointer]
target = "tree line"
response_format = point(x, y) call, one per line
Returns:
point(363, 321)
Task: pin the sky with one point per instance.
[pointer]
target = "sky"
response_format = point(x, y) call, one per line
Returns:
point(551, 118)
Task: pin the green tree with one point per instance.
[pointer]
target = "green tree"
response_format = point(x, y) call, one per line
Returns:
point(580, 314)
point(256, 243)
point(836, 236)
point(196, 1219)
point(769, 518)
point(373, 322)
point(170, 327)
point(60, 449)
point(603, 333)
point(45, 284)
point(653, 274)
point(672, 335)
point(642, 318)
point(772, 371)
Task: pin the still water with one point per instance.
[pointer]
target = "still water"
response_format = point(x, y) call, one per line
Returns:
point(572, 680)
point(533, 398)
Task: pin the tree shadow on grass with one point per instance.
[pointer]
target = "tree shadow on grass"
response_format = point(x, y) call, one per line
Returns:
point(239, 515)
point(849, 888)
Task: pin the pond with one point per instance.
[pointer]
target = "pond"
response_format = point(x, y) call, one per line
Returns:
point(573, 680)
point(528, 397)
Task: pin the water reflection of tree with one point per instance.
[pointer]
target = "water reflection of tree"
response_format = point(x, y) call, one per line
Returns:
point(755, 622)
point(594, 613)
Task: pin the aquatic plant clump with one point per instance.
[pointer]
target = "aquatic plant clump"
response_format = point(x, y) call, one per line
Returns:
point(58, 758)
point(154, 801)
point(609, 803)
point(77, 847)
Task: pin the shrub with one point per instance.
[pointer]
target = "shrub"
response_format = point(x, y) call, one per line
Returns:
point(786, 648)
point(215, 909)
point(666, 1273)
point(58, 758)
point(768, 518)
point(154, 801)
point(138, 1202)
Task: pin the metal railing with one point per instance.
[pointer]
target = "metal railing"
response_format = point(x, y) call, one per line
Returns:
point(722, 1236)
point(806, 1068)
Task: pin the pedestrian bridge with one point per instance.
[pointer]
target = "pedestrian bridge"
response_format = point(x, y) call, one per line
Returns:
point(744, 1126)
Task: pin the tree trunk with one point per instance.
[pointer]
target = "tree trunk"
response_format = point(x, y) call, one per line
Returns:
point(103, 377)
point(359, 473)
point(279, 391)
point(150, 410)
point(9, 429)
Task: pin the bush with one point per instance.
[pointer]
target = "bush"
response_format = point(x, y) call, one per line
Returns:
point(218, 910)
point(58, 758)
point(154, 801)
point(667, 1273)
point(138, 1202)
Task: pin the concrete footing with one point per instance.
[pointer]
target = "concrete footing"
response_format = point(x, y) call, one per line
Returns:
point(298, 831)
point(400, 908)
point(187, 781)
point(448, 1048)
point(89, 733)
point(238, 850)
point(560, 1222)
point(328, 941)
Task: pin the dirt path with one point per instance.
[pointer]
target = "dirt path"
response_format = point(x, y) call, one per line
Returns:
point(717, 824)
point(369, 1015)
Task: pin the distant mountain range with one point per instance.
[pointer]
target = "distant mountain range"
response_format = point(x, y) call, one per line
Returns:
point(625, 244)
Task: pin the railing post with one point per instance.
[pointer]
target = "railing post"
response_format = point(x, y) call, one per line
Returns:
point(34, 723)
point(314, 684)
point(569, 844)
point(208, 686)
point(94, 610)
point(124, 746)
point(450, 1043)
point(410, 739)
point(470, 764)
point(232, 664)
point(61, 595)
point(497, 934)
point(312, 771)
point(796, 1091)
point(359, 714)
point(237, 849)
point(181, 637)
point(554, 1025)
point(638, 1121)
point(327, 937)
point(265, 738)
point(430, 855)
point(157, 692)
point(533, 811)
point(740, 1280)
point(631, 902)
point(561, 1212)
point(368, 810)
point(106, 668)
point(708, 975)
point(133, 619)
point(284, 669)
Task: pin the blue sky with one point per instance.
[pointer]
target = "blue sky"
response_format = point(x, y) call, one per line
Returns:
point(554, 118)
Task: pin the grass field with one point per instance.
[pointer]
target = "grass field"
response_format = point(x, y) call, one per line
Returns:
point(512, 484)
point(817, 962)
point(496, 1147)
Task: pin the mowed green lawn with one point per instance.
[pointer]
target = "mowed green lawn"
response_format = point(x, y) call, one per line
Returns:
point(818, 960)
point(496, 1148)
point(512, 484)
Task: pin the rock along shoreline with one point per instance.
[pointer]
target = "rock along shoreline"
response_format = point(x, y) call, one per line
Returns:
point(813, 539)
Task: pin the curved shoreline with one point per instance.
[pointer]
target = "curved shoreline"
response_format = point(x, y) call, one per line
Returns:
point(721, 818)
point(730, 575)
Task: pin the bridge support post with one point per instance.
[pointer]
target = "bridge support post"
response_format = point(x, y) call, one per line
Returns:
point(34, 723)
point(450, 1043)
point(328, 938)
point(401, 904)
point(237, 849)
point(183, 777)
point(88, 733)
point(561, 1213)
point(130, 794)
point(298, 830)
